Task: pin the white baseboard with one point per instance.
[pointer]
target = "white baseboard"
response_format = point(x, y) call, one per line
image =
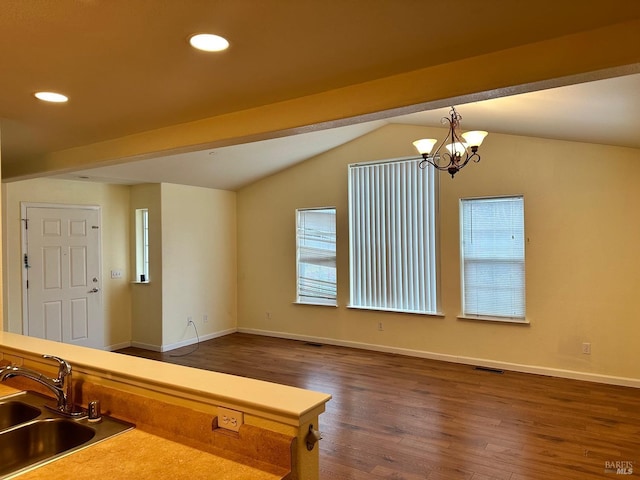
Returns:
point(516, 367)
point(147, 346)
point(191, 341)
point(117, 346)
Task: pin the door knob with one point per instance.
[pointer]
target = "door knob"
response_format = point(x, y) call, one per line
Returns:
point(93, 290)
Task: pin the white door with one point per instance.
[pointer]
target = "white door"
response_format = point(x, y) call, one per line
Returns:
point(61, 261)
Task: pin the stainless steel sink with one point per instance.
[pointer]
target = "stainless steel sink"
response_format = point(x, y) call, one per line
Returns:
point(31, 435)
point(39, 441)
point(13, 413)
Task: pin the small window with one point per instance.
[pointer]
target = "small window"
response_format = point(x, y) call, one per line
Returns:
point(316, 255)
point(492, 251)
point(142, 245)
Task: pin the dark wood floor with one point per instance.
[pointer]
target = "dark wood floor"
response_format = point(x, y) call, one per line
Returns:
point(397, 417)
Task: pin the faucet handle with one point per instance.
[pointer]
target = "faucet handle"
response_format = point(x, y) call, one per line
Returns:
point(64, 367)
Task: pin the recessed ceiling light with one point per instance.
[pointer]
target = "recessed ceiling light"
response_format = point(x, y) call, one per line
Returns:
point(51, 97)
point(208, 42)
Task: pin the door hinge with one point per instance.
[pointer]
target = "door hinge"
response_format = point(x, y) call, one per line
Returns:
point(27, 284)
point(26, 223)
point(26, 261)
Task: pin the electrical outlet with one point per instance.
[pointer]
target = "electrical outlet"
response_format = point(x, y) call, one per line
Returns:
point(205, 318)
point(268, 315)
point(586, 348)
point(380, 327)
point(189, 321)
point(230, 419)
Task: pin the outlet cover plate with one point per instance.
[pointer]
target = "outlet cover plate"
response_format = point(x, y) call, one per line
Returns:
point(230, 419)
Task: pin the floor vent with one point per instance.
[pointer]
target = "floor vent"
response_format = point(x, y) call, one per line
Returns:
point(489, 369)
point(313, 344)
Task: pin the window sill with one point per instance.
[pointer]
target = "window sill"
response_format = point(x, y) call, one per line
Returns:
point(487, 318)
point(137, 282)
point(316, 304)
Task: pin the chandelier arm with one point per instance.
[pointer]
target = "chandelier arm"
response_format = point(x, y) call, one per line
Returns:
point(450, 161)
point(425, 162)
point(474, 156)
point(435, 162)
point(436, 157)
point(455, 138)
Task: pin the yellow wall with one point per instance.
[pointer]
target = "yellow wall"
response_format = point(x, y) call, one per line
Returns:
point(114, 201)
point(583, 270)
point(582, 266)
point(198, 262)
point(192, 254)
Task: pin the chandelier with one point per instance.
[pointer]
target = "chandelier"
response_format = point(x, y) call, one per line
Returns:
point(459, 151)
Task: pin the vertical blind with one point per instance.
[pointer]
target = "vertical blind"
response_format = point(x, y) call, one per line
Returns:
point(316, 252)
point(493, 275)
point(392, 246)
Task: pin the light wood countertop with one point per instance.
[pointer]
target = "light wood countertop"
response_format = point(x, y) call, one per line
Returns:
point(4, 390)
point(140, 455)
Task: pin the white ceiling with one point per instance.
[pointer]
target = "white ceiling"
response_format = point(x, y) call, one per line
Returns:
point(604, 111)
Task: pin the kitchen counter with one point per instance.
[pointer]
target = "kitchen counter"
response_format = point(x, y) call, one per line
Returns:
point(141, 455)
point(281, 403)
point(176, 405)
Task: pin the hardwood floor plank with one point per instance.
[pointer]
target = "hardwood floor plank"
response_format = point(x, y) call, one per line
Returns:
point(395, 417)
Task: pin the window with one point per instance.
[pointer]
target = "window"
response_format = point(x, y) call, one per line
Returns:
point(142, 245)
point(316, 255)
point(392, 244)
point(492, 250)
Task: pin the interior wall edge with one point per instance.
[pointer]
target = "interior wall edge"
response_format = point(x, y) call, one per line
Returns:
point(117, 346)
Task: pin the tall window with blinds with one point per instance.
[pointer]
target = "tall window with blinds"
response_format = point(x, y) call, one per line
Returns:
point(392, 243)
point(493, 257)
point(142, 245)
point(316, 255)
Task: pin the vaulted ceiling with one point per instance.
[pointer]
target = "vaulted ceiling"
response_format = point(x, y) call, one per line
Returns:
point(132, 78)
point(603, 111)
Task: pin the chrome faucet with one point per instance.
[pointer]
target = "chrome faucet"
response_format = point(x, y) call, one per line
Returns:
point(60, 386)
